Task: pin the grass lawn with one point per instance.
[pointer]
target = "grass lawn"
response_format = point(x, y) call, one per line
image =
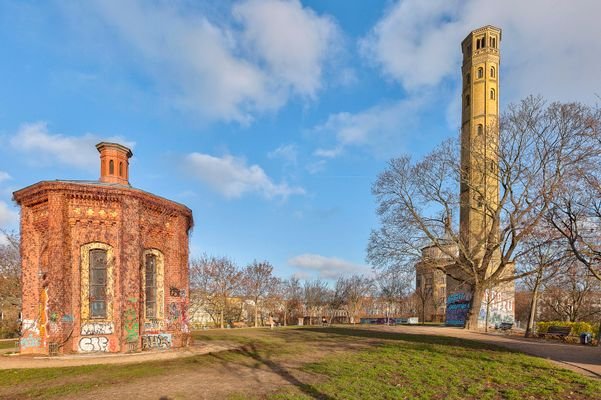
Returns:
point(320, 363)
point(7, 344)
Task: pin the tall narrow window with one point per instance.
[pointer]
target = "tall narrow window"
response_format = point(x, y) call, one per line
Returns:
point(151, 286)
point(480, 73)
point(98, 282)
point(120, 169)
point(468, 78)
point(492, 94)
point(492, 72)
point(467, 100)
point(480, 130)
point(111, 167)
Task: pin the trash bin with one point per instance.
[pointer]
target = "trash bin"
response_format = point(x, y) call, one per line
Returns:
point(585, 338)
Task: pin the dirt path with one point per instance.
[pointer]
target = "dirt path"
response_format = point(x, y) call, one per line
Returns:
point(583, 359)
point(9, 362)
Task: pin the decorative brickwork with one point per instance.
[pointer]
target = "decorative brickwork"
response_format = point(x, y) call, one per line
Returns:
point(61, 223)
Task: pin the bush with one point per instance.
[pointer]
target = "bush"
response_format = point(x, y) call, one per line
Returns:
point(577, 327)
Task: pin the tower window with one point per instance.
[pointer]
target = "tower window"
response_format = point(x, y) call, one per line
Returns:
point(480, 73)
point(468, 78)
point(467, 100)
point(492, 94)
point(120, 169)
point(98, 282)
point(480, 130)
point(492, 72)
point(111, 167)
point(151, 286)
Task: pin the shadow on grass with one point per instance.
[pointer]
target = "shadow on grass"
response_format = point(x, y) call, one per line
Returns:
point(409, 337)
point(251, 351)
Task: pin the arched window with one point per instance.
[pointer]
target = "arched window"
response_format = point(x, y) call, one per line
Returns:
point(477, 44)
point(492, 94)
point(120, 169)
point(494, 43)
point(98, 283)
point(480, 130)
point(111, 167)
point(492, 72)
point(480, 73)
point(150, 276)
point(152, 284)
point(467, 100)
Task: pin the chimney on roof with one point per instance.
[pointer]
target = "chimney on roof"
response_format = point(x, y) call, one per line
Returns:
point(114, 162)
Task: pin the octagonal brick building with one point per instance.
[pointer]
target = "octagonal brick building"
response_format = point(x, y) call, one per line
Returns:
point(104, 265)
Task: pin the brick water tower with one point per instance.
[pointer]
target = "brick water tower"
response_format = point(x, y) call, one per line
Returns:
point(104, 265)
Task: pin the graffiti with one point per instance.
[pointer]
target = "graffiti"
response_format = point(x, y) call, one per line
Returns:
point(174, 292)
point(29, 325)
point(174, 312)
point(131, 326)
point(458, 305)
point(500, 308)
point(97, 328)
point(159, 341)
point(94, 344)
point(154, 325)
point(67, 319)
point(54, 327)
point(30, 341)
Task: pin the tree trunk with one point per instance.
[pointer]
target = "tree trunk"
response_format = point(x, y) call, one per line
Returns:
point(487, 310)
point(532, 313)
point(285, 317)
point(256, 312)
point(222, 316)
point(471, 320)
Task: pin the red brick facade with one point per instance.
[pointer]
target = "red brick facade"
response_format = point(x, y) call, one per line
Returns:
point(61, 223)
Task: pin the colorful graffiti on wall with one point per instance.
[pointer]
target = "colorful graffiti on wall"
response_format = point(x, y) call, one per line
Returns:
point(458, 305)
point(158, 341)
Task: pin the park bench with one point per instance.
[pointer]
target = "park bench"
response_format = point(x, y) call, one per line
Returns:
point(505, 326)
point(561, 332)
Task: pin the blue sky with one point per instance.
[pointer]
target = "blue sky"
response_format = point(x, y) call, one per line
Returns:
point(269, 119)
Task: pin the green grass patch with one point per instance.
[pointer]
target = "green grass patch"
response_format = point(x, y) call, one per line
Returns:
point(8, 344)
point(366, 364)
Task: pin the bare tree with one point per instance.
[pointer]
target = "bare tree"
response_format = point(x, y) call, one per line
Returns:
point(257, 281)
point(538, 146)
point(394, 288)
point(213, 281)
point(10, 282)
point(355, 289)
point(569, 295)
point(292, 294)
point(315, 297)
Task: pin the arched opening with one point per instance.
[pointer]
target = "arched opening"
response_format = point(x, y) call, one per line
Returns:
point(120, 168)
point(492, 94)
point(480, 129)
point(111, 167)
point(467, 100)
point(492, 72)
point(98, 283)
point(480, 73)
point(150, 285)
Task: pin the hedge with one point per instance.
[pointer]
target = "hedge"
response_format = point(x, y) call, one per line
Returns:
point(577, 327)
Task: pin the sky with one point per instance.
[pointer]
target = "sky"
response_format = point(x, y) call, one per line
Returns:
point(270, 119)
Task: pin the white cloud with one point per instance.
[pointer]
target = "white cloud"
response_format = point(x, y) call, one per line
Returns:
point(292, 40)
point(548, 50)
point(231, 177)
point(8, 216)
point(326, 267)
point(288, 153)
point(376, 128)
point(44, 147)
point(228, 68)
point(4, 176)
